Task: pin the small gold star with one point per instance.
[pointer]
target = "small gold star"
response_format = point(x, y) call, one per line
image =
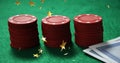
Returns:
point(40, 50)
point(63, 45)
point(44, 39)
point(32, 3)
point(17, 2)
point(42, 1)
point(35, 55)
point(49, 13)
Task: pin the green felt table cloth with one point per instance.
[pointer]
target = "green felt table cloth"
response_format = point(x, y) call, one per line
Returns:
point(108, 9)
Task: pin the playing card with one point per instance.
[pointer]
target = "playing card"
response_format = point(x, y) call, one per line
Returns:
point(95, 55)
point(91, 52)
point(115, 39)
point(108, 50)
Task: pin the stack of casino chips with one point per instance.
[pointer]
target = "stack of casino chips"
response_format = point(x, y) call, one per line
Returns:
point(88, 29)
point(23, 31)
point(56, 29)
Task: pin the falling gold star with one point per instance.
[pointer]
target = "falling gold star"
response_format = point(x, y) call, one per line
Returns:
point(63, 45)
point(42, 1)
point(49, 13)
point(17, 2)
point(36, 55)
point(44, 39)
point(32, 3)
point(40, 50)
point(108, 6)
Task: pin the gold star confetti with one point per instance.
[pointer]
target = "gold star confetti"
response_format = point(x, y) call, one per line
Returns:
point(108, 6)
point(36, 55)
point(49, 13)
point(17, 2)
point(40, 50)
point(32, 3)
point(42, 1)
point(44, 39)
point(63, 45)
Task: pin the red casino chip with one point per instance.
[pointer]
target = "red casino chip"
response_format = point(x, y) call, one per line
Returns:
point(62, 24)
point(91, 35)
point(23, 46)
point(85, 42)
point(55, 28)
point(22, 21)
point(88, 19)
point(22, 38)
point(23, 31)
point(57, 35)
point(88, 23)
point(25, 41)
point(88, 41)
point(55, 39)
point(57, 43)
point(55, 20)
point(88, 29)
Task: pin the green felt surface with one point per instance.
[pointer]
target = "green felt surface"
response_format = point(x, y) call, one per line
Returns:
point(70, 8)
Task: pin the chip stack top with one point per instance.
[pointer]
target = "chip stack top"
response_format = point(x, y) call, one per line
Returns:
point(88, 23)
point(22, 21)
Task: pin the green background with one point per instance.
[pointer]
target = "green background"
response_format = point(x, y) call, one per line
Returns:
point(69, 8)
